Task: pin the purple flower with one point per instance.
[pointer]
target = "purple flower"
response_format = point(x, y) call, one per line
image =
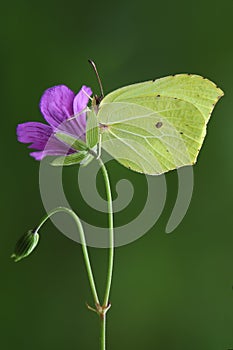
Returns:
point(57, 105)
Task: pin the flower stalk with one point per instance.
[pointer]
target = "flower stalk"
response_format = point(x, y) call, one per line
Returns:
point(83, 243)
point(111, 232)
point(102, 310)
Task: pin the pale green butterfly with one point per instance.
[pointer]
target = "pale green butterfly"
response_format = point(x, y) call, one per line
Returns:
point(150, 127)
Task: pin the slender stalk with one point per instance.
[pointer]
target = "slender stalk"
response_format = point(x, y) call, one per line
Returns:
point(104, 308)
point(103, 331)
point(83, 243)
point(111, 233)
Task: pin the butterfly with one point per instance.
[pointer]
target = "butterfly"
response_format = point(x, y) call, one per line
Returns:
point(150, 127)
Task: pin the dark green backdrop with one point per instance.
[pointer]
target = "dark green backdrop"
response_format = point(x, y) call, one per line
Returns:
point(169, 291)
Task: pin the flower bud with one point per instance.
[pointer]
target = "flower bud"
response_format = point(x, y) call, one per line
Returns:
point(25, 245)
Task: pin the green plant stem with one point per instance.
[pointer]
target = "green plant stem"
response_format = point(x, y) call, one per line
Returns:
point(106, 304)
point(83, 243)
point(111, 233)
point(103, 331)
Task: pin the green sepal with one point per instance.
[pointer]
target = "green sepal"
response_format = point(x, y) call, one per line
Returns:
point(92, 130)
point(88, 159)
point(25, 245)
point(76, 144)
point(71, 159)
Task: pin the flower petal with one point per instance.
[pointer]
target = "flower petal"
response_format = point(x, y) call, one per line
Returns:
point(51, 152)
point(56, 104)
point(35, 133)
point(38, 155)
point(80, 103)
point(42, 139)
point(81, 99)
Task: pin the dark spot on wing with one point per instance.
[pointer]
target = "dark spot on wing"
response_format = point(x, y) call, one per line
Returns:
point(181, 132)
point(158, 96)
point(159, 125)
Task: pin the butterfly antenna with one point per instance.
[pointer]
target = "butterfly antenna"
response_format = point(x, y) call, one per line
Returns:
point(97, 75)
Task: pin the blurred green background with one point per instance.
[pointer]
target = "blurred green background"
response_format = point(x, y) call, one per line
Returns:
point(169, 291)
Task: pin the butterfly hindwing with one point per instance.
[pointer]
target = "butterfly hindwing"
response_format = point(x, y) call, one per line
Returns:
point(160, 125)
